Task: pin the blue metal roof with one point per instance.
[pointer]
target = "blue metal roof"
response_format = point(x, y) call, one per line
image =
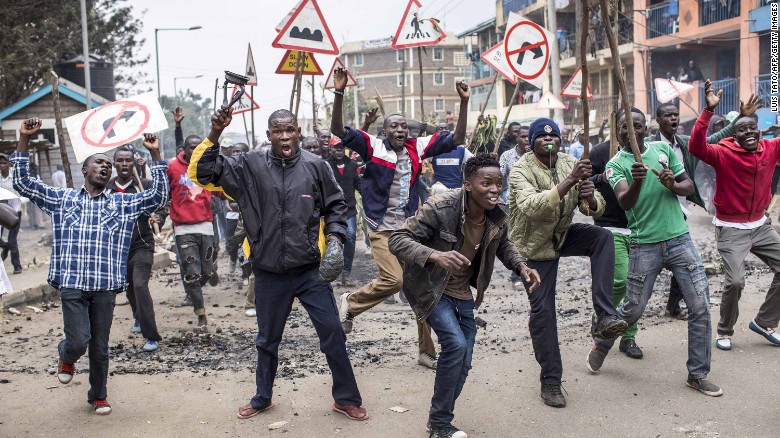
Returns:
point(41, 92)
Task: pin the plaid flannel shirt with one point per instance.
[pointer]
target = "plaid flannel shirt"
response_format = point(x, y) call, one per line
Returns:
point(92, 235)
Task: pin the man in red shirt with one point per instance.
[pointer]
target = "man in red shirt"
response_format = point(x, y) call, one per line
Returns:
point(743, 175)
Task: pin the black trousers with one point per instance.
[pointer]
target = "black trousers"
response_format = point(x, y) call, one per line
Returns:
point(139, 270)
point(582, 240)
point(11, 246)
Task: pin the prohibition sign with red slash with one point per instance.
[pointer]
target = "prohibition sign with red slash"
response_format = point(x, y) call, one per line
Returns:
point(124, 112)
point(539, 47)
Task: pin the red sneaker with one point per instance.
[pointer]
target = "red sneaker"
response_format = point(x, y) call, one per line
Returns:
point(65, 371)
point(101, 407)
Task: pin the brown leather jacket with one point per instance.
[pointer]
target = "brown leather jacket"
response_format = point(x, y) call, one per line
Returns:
point(437, 226)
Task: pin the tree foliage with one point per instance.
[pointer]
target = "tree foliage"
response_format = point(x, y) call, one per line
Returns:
point(197, 115)
point(36, 33)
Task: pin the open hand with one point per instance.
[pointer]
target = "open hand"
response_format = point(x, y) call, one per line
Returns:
point(178, 115)
point(30, 127)
point(712, 98)
point(371, 116)
point(747, 109)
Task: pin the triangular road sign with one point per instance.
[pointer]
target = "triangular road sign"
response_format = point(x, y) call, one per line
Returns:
point(494, 57)
point(329, 83)
point(287, 66)
point(287, 17)
point(667, 89)
point(414, 31)
point(550, 101)
point(573, 88)
point(245, 104)
point(306, 30)
point(251, 71)
point(527, 47)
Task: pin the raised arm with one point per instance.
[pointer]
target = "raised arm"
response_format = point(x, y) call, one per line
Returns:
point(459, 136)
point(371, 116)
point(46, 197)
point(746, 109)
point(148, 201)
point(698, 145)
point(208, 168)
point(337, 118)
point(178, 116)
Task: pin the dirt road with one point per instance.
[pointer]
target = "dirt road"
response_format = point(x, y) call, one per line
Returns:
point(195, 383)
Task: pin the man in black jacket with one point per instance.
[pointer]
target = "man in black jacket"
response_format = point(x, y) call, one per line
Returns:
point(141, 255)
point(283, 193)
point(347, 176)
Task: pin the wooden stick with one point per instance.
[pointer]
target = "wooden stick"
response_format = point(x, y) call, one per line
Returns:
point(55, 93)
point(422, 102)
point(313, 106)
point(300, 85)
point(618, 65)
point(584, 93)
point(295, 79)
point(509, 110)
point(155, 226)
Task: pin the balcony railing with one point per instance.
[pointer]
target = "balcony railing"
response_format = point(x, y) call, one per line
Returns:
point(478, 70)
point(663, 19)
point(516, 5)
point(763, 87)
point(568, 46)
point(730, 99)
point(713, 11)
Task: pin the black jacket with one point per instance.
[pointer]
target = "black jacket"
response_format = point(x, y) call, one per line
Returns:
point(614, 216)
point(349, 182)
point(143, 235)
point(438, 226)
point(505, 145)
point(281, 199)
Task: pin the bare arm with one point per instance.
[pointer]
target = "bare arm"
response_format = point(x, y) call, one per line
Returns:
point(459, 136)
point(337, 118)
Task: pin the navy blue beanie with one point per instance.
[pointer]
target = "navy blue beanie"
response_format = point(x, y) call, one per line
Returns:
point(541, 127)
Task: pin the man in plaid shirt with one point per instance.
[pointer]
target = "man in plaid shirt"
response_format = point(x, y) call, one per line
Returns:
point(92, 230)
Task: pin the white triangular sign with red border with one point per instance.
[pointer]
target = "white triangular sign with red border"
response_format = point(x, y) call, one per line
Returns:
point(667, 89)
point(307, 31)
point(495, 58)
point(287, 17)
point(550, 101)
point(330, 82)
point(573, 88)
point(251, 70)
point(245, 104)
point(415, 31)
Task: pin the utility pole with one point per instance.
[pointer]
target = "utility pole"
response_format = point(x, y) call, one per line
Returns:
point(403, 82)
point(555, 59)
point(85, 49)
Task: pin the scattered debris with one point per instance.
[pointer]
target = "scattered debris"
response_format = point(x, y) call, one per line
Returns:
point(399, 409)
point(277, 425)
point(13, 311)
point(35, 309)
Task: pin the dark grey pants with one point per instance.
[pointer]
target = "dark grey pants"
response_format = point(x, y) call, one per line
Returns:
point(196, 260)
point(734, 245)
point(139, 270)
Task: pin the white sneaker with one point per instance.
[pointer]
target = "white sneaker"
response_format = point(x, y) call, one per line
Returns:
point(427, 361)
point(723, 342)
point(246, 282)
point(251, 312)
point(768, 333)
point(344, 316)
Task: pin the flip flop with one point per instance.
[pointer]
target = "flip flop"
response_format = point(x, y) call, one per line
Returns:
point(351, 412)
point(248, 411)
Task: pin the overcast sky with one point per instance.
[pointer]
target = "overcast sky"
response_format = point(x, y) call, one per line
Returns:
point(228, 26)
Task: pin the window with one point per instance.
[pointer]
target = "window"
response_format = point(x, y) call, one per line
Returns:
point(438, 54)
point(399, 55)
point(438, 79)
point(438, 105)
point(400, 80)
point(460, 59)
point(358, 59)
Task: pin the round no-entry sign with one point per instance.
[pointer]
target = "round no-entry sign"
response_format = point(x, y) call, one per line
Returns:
point(527, 49)
point(115, 124)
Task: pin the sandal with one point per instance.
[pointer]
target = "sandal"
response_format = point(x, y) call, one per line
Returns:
point(351, 412)
point(248, 411)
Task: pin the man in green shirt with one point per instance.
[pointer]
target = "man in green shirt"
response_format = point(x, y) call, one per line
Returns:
point(660, 239)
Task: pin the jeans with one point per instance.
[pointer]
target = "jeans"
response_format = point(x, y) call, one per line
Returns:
point(734, 245)
point(349, 245)
point(87, 318)
point(274, 295)
point(622, 244)
point(196, 260)
point(680, 256)
point(453, 321)
point(139, 270)
point(582, 240)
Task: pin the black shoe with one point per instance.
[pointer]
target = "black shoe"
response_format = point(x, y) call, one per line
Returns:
point(17, 270)
point(552, 395)
point(610, 327)
point(446, 432)
point(632, 350)
point(214, 279)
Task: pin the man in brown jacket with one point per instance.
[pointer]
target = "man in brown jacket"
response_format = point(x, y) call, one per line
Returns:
point(447, 248)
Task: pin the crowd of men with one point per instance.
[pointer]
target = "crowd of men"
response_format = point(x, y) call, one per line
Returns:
point(293, 210)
